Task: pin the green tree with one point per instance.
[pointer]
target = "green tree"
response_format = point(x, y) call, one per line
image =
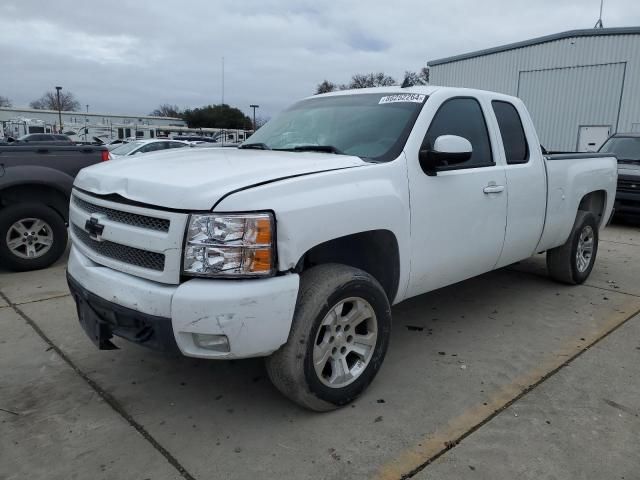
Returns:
point(217, 116)
point(49, 101)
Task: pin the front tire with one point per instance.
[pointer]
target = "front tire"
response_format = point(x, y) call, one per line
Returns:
point(338, 338)
point(572, 262)
point(32, 236)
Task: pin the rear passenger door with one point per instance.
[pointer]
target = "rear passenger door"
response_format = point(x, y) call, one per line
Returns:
point(526, 183)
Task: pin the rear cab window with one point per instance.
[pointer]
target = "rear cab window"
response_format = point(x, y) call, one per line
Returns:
point(514, 140)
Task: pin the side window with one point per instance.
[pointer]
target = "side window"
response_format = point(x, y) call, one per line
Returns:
point(176, 145)
point(462, 117)
point(514, 140)
point(151, 147)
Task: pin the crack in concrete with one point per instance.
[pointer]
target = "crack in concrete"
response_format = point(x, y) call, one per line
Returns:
point(37, 301)
point(107, 397)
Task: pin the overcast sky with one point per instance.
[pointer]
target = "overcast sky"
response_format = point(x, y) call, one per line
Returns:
point(129, 57)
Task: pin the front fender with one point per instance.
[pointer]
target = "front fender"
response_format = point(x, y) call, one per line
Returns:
point(316, 208)
point(15, 175)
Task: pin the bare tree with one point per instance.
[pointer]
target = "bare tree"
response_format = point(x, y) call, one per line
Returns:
point(49, 101)
point(167, 110)
point(366, 80)
point(260, 121)
point(416, 78)
point(5, 102)
point(325, 87)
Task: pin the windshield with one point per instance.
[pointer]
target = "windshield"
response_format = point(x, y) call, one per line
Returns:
point(370, 126)
point(126, 148)
point(624, 148)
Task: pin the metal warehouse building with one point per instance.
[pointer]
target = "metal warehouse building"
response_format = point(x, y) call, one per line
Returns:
point(580, 86)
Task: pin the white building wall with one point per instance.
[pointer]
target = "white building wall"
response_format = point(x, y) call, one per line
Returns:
point(80, 118)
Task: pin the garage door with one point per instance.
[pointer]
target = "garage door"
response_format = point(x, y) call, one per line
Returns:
point(563, 99)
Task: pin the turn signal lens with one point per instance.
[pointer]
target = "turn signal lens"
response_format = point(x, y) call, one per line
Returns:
point(263, 235)
point(261, 261)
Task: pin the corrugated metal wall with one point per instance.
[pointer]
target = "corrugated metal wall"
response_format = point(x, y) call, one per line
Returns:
point(561, 99)
point(579, 95)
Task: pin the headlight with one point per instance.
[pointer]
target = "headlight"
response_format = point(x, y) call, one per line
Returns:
point(230, 245)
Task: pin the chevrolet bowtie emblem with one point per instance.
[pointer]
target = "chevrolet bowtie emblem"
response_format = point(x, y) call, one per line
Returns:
point(93, 227)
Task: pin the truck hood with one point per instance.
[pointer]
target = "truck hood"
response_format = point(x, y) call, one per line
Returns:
point(196, 179)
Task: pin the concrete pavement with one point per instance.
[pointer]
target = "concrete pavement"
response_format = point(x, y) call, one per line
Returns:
point(583, 423)
point(457, 356)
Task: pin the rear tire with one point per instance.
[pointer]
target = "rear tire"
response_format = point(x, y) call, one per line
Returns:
point(32, 236)
point(338, 339)
point(572, 262)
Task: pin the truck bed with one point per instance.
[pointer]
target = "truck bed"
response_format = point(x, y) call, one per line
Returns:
point(570, 176)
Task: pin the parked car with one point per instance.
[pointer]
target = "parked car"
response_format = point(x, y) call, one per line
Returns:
point(35, 188)
point(194, 138)
point(214, 145)
point(295, 245)
point(137, 147)
point(626, 147)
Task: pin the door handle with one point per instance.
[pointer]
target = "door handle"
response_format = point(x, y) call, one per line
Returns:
point(493, 189)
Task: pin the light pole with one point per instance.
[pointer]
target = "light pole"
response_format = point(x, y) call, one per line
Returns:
point(59, 109)
point(86, 124)
point(254, 115)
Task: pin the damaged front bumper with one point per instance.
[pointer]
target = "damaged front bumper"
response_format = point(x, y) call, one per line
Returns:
point(254, 315)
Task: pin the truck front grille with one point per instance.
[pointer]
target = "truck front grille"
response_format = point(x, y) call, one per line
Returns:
point(133, 219)
point(625, 185)
point(121, 253)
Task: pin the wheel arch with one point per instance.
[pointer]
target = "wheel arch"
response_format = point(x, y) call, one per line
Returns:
point(374, 251)
point(36, 193)
point(594, 202)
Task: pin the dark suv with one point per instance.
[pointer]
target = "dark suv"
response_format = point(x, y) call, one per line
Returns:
point(626, 147)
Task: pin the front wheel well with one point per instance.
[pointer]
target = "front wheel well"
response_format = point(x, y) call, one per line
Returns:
point(594, 202)
point(374, 251)
point(29, 193)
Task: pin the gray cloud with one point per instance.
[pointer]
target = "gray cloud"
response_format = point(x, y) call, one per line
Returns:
point(123, 56)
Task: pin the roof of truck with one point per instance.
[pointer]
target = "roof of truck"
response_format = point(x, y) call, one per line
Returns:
point(419, 89)
point(427, 90)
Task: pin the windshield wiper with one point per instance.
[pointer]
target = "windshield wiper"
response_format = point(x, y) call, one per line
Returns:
point(255, 146)
point(315, 148)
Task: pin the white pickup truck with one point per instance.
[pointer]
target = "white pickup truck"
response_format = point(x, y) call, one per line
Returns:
point(294, 246)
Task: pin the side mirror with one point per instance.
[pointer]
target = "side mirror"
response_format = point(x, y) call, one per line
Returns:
point(447, 150)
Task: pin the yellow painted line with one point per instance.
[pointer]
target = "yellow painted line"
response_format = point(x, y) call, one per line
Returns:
point(459, 427)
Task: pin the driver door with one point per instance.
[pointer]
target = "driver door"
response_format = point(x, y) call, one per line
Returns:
point(458, 216)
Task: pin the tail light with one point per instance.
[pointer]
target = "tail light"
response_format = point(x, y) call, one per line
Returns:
point(105, 155)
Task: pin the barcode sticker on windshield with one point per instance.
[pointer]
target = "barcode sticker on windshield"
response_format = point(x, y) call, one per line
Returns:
point(403, 97)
